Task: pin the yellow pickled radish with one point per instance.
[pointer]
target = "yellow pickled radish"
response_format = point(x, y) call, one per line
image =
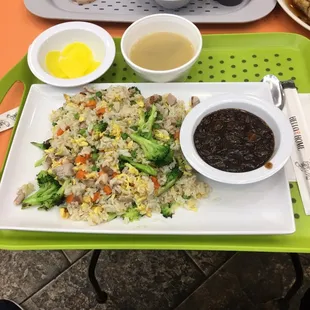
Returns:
point(52, 65)
point(74, 61)
point(77, 49)
point(94, 65)
point(72, 67)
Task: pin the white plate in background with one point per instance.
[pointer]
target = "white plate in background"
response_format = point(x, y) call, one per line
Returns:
point(263, 208)
point(285, 6)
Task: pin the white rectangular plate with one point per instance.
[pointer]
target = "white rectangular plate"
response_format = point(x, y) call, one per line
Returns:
point(261, 208)
point(198, 11)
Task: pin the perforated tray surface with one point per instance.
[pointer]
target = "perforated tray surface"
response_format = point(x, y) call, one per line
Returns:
point(231, 58)
point(199, 11)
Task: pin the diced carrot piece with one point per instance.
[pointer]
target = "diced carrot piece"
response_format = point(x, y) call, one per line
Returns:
point(91, 104)
point(69, 198)
point(60, 132)
point(155, 182)
point(96, 196)
point(177, 135)
point(114, 174)
point(80, 174)
point(100, 111)
point(80, 159)
point(107, 189)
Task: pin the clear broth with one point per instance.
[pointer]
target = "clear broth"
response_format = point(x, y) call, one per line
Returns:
point(162, 51)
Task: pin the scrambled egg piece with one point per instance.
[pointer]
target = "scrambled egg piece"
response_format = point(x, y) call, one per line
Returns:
point(67, 98)
point(116, 130)
point(64, 213)
point(103, 104)
point(139, 199)
point(97, 209)
point(60, 151)
point(162, 135)
point(71, 104)
point(55, 163)
point(192, 205)
point(132, 169)
point(91, 175)
point(142, 208)
point(148, 212)
point(86, 199)
point(140, 103)
point(80, 141)
point(81, 118)
point(84, 205)
point(130, 145)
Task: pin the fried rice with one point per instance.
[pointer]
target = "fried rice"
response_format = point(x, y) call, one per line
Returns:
point(91, 131)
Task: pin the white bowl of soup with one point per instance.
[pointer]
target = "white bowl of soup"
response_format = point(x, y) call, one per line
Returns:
point(161, 48)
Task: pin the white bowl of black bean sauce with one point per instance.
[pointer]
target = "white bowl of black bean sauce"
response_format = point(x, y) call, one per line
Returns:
point(236, 140)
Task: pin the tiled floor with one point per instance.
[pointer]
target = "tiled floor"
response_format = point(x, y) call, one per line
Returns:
point(149, 280)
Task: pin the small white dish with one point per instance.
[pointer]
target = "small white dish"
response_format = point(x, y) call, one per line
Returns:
point(286, 7)
point(274, 118)
point(56, 38)
point(161, 23)
point(172, 4)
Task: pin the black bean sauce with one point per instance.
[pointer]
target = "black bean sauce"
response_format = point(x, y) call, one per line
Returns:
point(234, 140)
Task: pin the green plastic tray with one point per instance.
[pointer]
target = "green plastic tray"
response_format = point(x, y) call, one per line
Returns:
point(241, 57)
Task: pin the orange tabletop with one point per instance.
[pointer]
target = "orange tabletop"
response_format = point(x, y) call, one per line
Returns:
point(19, 28)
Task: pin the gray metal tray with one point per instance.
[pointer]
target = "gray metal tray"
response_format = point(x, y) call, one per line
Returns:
point(198, 11)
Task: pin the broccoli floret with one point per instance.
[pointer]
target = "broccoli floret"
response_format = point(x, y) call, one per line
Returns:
point(100, 126)
point(132, 214)
point(56, 199)
point(146, 122)
point(43, 194)
point(43, 146)
point(166, 161)
point(172, 177)
point(166, 210)
point(152, 149)
point(46, 179)
point(141, 167)
point(50, 193)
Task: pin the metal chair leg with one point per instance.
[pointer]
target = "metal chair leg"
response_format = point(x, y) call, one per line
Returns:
point(284, 302)
point(101, 296)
